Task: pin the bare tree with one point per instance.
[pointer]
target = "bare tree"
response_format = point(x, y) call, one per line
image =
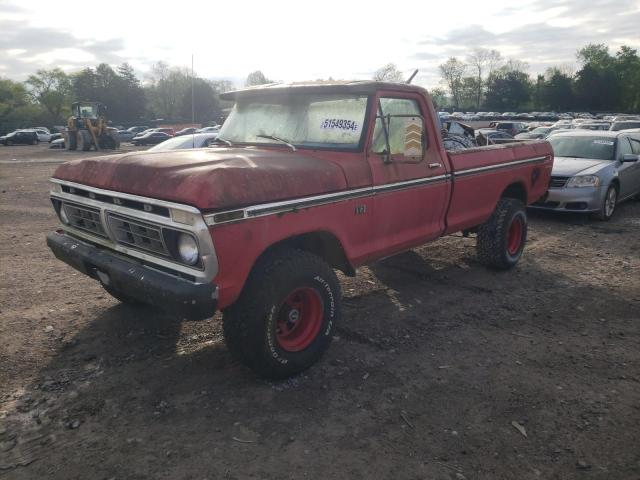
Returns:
point(452, 72)
point(512, 65)
point(388, 73)
point(483, 61)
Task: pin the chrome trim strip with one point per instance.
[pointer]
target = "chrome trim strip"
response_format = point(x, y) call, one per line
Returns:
point(470, 171)
point(127, 196)
point(317, 200)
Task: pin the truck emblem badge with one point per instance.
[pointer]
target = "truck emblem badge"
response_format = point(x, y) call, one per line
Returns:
point(361, 209)
point(117, 201)
point(148, 208)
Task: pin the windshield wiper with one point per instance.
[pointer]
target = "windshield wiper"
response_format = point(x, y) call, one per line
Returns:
point(278, 139)
point(218, 139)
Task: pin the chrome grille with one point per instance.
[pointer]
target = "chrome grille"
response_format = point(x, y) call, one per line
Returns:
point(84, 218)
point(558, 182)
point(137, 234)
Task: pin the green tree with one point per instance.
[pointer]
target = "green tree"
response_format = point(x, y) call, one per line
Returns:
point(257, 78)
point(206, 104)
point(452, 72)
point(53, 90)
point(17, 109)
point(557, 93)
point(627, 64)
point(508, 89)
point(439, 98)
point(595, 54)
point(469, 87)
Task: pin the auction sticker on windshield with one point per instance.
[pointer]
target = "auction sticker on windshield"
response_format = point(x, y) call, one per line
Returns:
point(603, 142)
point(340, 124)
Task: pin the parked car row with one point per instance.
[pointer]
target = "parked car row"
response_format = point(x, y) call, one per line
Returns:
point(27, 136)
point(530, 116)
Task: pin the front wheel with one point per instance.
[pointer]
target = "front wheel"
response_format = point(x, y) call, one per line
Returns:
point(286, 316)
point(608, 204)
point(502, 238)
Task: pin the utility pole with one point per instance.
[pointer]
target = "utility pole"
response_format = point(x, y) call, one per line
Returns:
point(193, 107)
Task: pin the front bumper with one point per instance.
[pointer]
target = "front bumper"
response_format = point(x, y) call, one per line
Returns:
point(193, 301)
point(572, 199)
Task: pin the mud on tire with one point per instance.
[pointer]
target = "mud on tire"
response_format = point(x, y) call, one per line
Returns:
point(502, 238)
point(286, 316)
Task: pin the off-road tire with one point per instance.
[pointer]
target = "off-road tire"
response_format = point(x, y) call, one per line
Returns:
point(70, 141)
point(494, 235)
point(84, 140)
point(603, 215)
point(250, 325)
point(122, 297)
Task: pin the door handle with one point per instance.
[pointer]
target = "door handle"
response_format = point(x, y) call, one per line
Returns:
point(435, 165)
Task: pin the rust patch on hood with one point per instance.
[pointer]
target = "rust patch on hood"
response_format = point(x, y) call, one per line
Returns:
point(211, 178)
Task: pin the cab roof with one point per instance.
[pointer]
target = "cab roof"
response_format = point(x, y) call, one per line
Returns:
point(364, 87)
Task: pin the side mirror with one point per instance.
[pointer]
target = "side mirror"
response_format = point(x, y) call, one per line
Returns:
point(629, 158)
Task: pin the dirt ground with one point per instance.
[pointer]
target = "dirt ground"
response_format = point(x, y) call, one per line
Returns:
point(441, 369)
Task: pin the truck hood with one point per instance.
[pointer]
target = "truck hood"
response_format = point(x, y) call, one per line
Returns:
point(209, 178)
point(569, 166)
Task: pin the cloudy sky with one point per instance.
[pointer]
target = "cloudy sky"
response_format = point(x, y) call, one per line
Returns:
point(300, 40)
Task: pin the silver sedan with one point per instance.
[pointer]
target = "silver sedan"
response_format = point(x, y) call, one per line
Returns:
point(593, 171)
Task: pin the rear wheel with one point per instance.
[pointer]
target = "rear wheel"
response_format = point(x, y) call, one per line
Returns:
point(70, 141)
point(84, 140)
point(608, 206)
point(286, 315)
point(502, 238)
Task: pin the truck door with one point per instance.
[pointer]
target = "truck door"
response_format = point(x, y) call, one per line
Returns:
point(410, 179)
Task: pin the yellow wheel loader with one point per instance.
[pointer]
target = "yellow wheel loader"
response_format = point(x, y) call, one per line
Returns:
point(87, 127)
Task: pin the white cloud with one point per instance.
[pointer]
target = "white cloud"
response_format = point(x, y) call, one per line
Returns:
point(293, 40)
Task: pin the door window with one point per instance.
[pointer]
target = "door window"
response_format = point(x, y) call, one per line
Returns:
point(397, 126)
point(624, 147)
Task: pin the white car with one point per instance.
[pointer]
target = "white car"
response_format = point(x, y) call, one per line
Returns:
point(183, 142)
point(215, 129)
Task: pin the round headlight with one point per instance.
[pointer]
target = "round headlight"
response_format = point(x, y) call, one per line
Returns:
point(188, 249)
point(63, 215)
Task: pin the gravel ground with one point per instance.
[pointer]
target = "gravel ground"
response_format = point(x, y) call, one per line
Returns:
point(441, 369)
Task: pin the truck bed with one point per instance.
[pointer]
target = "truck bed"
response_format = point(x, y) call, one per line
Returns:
point(480, 175)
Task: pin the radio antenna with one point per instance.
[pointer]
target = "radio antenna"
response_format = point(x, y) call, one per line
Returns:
point(193, 108)
point(415, 72)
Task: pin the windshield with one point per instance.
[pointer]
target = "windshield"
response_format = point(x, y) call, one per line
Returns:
point(541, 130)
point(597, 148)
point(304, 120)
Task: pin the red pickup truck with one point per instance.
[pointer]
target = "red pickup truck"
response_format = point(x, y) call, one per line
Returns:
point(304, 179)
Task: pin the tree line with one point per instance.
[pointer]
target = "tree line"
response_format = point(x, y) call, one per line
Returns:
point(45, 98)
point(485, 81)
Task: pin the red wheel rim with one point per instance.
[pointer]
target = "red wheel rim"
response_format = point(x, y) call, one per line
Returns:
point(299, 319)
point(514, 237)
